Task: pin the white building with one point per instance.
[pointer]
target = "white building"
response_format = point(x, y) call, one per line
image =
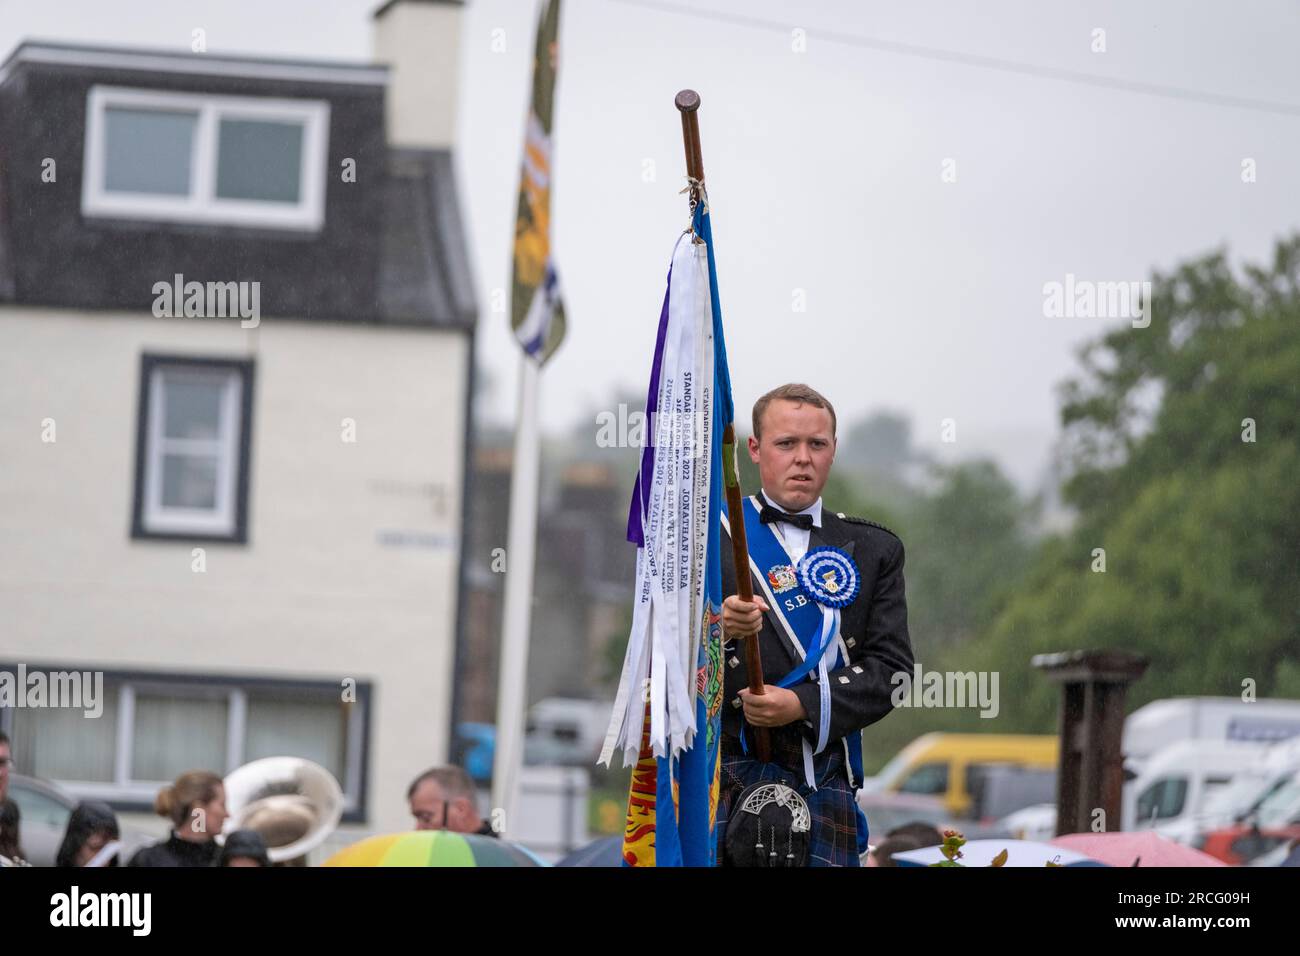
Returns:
point(250, 524)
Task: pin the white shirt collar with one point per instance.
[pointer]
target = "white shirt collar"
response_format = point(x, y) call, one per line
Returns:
point(814, 509)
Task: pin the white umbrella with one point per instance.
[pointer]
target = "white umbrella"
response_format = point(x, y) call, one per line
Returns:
point(982, 852)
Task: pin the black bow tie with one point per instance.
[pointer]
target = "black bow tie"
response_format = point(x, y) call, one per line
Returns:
point(768, 514)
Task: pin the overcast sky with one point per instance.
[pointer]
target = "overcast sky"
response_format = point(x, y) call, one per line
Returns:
point(825, 173)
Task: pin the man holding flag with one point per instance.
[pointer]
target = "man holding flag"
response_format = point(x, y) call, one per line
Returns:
point(830, 614)
point(820, 666)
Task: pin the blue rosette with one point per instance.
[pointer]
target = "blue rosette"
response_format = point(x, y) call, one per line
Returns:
point(829, 577)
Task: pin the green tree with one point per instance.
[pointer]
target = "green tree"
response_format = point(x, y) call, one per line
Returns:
point(967, 543)
point(1182, 441)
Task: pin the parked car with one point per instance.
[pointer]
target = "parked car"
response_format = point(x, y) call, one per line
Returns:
point(1243, 845)
point(565, 731)
point(1272, 822)
point(45, 808)
point(1000, 789)
point(1151, 728)
point(953, 767)
point(1177, 782)
point(1285, 854)
point(886, 811)
point(1232, 804)
point(1036, 824)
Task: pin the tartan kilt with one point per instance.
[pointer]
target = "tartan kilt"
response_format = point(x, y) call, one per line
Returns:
point(834, 837)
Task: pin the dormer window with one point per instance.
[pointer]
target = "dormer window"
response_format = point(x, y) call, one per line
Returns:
point(182, 157)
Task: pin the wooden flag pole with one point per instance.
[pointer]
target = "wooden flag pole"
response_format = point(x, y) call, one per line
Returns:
point(688, 103)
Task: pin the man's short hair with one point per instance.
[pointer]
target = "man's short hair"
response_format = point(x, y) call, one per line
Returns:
point(918, 830)
point(451, 780)
point(910, 836)
point(794, 392)
point(4, 737)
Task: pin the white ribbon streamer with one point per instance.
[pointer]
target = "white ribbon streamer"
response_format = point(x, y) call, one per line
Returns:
point(669, 612)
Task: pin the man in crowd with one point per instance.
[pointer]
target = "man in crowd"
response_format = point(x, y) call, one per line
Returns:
point(10, 845)
point(443, 798)
point(6, 761)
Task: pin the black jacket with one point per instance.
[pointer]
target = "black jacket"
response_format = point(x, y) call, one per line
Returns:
point(874, 628)
point(177, 852)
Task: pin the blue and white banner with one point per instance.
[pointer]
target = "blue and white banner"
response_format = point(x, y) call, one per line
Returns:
point(672, 504)
point(667, 717)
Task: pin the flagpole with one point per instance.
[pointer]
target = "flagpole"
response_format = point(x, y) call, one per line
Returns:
point(688, 103)
point(521, 544)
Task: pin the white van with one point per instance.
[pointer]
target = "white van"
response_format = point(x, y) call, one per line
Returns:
point(1162, 722)
point(1249, 788)
point(565, 731)
point(1171, 791)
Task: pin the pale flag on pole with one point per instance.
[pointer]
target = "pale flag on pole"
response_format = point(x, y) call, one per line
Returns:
point(537, 317)
point(536, 309)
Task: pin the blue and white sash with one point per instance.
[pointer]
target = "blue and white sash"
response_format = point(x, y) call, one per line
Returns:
point(811, 629)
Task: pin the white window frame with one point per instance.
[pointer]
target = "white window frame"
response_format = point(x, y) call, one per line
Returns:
point(202, 205)
point(130, 786)
point(220, 521)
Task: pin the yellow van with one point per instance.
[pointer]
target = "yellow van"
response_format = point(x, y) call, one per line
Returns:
point(954, 767)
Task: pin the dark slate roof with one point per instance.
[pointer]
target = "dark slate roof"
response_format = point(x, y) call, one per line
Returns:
point(388, 3)
point(98, 58)
point(424, 269)
point(391, 250)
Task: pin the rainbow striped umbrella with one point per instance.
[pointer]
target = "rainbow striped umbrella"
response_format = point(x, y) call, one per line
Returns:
point(433, 848)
